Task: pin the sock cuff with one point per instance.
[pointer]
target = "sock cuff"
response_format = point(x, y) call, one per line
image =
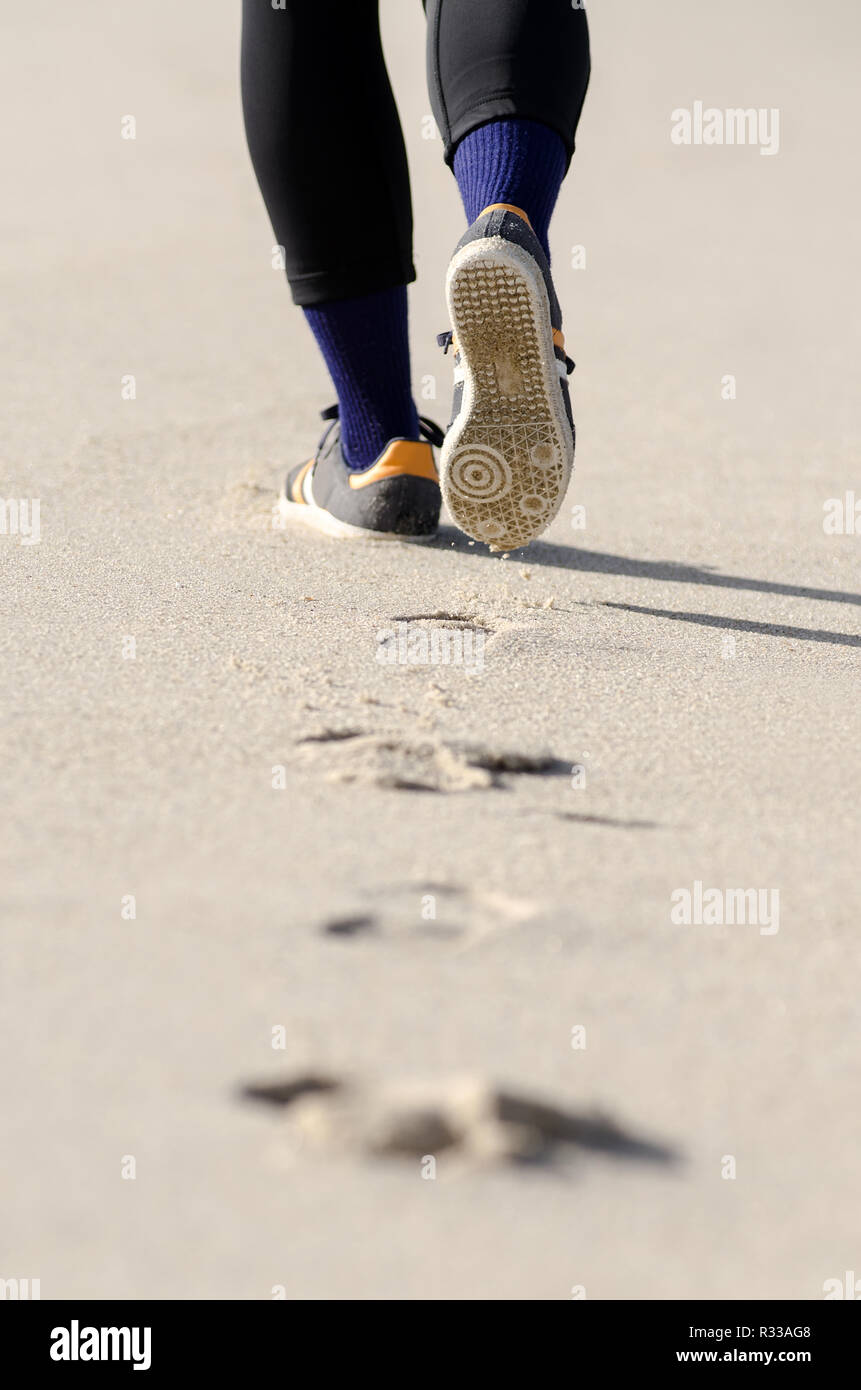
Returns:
point(514, 161)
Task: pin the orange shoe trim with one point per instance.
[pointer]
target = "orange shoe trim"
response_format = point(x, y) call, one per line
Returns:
point(506, 207)
point(296, 486)
point(401, 458)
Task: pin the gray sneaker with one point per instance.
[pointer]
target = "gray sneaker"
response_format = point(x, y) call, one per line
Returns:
point(396, 498)
point(509, 451)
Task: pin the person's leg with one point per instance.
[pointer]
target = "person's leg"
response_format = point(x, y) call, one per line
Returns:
point(365, 343)
point(326, 145)
point(507, 81)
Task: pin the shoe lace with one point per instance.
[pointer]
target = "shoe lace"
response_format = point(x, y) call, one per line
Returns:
point(427, 428)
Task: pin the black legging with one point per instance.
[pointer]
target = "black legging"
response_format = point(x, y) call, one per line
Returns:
point(323, 127)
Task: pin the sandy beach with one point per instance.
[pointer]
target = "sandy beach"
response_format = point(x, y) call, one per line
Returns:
point(242, 845)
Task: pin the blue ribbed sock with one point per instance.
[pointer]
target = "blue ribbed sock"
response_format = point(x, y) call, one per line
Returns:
point(512, 161)
point(366, 346)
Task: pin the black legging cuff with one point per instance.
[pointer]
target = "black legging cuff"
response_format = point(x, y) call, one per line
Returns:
point(324, 134)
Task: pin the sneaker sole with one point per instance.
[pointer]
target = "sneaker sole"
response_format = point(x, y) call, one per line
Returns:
point(507, 460)
point(320, 520)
